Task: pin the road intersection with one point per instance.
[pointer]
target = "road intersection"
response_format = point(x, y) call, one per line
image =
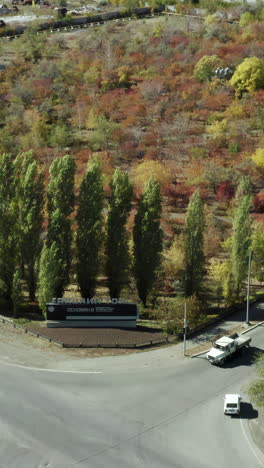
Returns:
point(154, 409)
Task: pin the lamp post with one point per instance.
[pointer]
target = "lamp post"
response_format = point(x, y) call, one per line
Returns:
point(248, 287)
point(185, 328)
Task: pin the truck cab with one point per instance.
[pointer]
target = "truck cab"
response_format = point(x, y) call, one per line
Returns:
point(232, 403)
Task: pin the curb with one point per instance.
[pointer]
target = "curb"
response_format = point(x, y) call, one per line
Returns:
point(141, 346)
point(252, 328)
point(242, 333)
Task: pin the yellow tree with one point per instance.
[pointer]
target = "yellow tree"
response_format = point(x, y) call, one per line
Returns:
point(258, 157)
point(248, 76)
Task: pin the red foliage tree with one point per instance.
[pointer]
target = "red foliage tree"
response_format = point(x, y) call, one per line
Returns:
point(225, 191)
point(258, 202)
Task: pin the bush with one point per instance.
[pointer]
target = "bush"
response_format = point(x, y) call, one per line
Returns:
point(249, 75)
point(205, 67)
point(258, 202)
point(170, 311)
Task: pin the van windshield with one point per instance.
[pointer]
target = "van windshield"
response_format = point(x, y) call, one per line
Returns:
point(231, 405)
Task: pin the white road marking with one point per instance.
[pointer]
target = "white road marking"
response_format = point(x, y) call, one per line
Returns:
point(49, 370)
point(250, 445)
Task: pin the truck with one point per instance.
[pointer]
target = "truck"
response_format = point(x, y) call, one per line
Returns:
point(226, 347)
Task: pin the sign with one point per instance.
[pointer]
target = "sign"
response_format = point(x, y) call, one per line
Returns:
point(90, 313)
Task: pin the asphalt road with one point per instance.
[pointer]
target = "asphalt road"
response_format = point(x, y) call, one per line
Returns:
point(154, 409)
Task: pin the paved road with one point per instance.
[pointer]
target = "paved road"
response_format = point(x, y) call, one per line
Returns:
point(155, 409)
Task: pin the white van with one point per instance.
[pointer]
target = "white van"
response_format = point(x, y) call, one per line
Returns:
point(232, 403)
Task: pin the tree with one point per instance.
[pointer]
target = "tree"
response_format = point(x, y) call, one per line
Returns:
point(60, 207)
point(117, 249)
point(30, 202)
point(218, 271)
point(16, 291)
point(150, 168)
point(258, 157)
point(257, 247)
point(32, 46)
point(173, 263)
point(241, 236)
point(89, 228)
point(50, 268)
point(205, 67)
point(8, 225)
point(147, 236)
point(194, 245)
point(248, 76)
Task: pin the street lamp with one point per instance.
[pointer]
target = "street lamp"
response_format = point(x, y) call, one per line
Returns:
point(248, 287)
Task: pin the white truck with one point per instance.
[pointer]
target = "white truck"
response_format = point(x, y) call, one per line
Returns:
point(225, 347)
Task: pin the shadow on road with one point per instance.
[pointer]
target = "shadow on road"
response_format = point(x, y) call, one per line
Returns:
point(245, 358)
point(246, 411)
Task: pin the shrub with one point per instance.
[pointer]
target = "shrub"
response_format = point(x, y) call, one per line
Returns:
point(225, 191)
point(258, 157)
point(249, 75)
point(171, 313)
point(258, 202)
point(205, 67)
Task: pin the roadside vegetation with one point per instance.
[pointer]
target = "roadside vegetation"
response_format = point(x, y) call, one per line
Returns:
point(130, 140)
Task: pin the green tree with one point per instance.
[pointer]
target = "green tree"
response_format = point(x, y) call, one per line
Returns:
point(117, 249)
point(147, 236)
point(194, 245)
point(16, 291)
point(60, 207)
point(249, 75)
point(30, 201)
point(50, 267)
point(32, 46)
point(8, 225)
point(241, 237)
point(89, 228)
point(257, 247)
point(205, 67)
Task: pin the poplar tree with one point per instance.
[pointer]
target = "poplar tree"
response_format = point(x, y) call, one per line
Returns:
point(89, 236)
point(60, 206)
point(117, 249)
point(241, 239)
point(8, 225)
point(30, 200)
point(147, 236)
point(194, 245)
point(50, 267)
point(257, 247)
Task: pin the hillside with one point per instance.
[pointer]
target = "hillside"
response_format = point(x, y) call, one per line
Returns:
point(145, 96)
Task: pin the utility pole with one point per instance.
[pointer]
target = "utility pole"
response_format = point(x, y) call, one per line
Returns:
point(185, 328)
point(248, 286)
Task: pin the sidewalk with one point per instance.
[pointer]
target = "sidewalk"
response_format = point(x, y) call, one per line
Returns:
point(233, 324)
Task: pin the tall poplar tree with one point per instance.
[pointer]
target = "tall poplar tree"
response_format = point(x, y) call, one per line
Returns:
point(50, 267)
point(30, 200)
point(8, 225)
point(117, 250)
point(147, 236)
point(241, 239)
point(89, 236)
point(60, 206)
point(194, 245)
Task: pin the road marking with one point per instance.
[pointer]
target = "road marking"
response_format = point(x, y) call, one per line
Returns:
point(249, 443)
point(49, 370)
